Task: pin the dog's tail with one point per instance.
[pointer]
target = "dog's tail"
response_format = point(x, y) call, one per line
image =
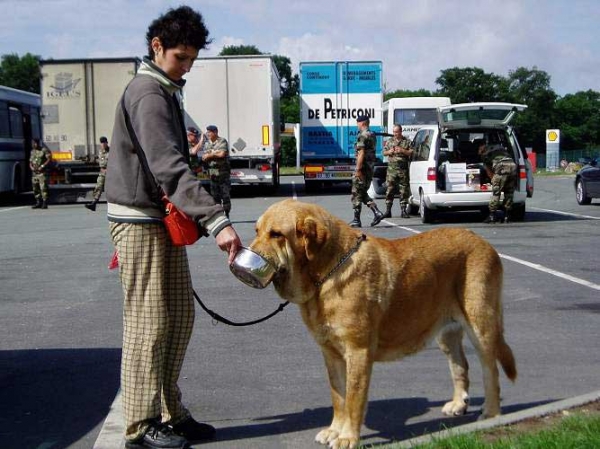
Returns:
point(507, 360)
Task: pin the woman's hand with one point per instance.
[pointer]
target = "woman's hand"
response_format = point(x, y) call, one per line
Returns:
point(229, 241)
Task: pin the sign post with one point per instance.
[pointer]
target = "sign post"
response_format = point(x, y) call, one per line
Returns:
point(552, 149)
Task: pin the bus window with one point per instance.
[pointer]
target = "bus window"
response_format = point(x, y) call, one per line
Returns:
point(415, 116)
point(36, 128)
point(16, 123)
point(4, 124)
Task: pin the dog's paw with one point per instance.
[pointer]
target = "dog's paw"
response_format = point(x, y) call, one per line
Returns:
point(456, 408)
point(344, 443)
point(326, 436)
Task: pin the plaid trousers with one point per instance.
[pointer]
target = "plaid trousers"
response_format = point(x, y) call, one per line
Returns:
point(158, 317)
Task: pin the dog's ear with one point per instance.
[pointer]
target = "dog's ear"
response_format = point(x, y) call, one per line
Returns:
point(314, 234)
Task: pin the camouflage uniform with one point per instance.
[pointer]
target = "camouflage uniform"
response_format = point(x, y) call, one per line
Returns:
point(219, 171)
point(364, 142)
point(103, 162)
point(39, 177)
point(504, 179)
point(397, 173)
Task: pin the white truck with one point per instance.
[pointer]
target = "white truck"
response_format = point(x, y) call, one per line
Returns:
point(79, 98)
point(240, 96)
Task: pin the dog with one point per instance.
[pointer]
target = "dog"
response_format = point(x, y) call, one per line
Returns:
point(367, 299)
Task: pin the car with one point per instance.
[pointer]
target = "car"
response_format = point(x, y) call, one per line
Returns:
point(587, 182)
point(446, 171)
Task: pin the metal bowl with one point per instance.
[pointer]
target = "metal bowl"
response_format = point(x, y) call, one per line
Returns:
point(252, 269)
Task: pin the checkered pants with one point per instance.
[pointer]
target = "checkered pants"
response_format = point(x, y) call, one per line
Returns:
point(158, 317)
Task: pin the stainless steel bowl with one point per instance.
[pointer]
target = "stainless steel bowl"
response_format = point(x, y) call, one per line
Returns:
point(252, 269)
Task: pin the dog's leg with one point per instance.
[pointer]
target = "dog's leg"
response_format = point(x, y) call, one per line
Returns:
point(336, 371)
point(485, 341)
point(450, 342)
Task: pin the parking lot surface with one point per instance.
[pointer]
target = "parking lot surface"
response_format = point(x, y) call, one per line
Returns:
point(265, 386)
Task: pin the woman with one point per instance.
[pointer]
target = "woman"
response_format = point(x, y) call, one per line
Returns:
point(158, 311)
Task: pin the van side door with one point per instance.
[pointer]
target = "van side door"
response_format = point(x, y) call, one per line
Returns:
point(423, 161)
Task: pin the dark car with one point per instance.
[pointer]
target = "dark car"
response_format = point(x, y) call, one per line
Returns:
point(587, 183)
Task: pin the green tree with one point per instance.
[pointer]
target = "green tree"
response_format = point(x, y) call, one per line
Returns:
point(471, 84)
point(21, 72)
point(578, 118)
point(404, 93)
point(532, 88)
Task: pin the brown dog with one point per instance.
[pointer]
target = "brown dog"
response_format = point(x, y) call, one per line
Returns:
point(368, 299)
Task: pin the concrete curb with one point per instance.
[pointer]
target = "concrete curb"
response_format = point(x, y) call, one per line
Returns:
point(502, 420)
point(111, 434)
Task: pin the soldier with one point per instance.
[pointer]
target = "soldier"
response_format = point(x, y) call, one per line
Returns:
point(196, 143)
point(38, 163)
point(502, 170)
point(216, 155)
point(103, 162)
point(398, 151)
point(363, 175)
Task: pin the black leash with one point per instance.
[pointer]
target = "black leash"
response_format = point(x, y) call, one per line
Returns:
point(217, 317)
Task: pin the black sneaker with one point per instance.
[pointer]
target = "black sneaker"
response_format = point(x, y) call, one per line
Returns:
point(194, 431)
point(158, 436)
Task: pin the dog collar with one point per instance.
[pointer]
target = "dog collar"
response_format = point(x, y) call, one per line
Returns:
point(341, 262)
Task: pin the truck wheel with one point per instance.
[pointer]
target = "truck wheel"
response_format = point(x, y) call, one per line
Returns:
point(427, 214)
point(311, 186)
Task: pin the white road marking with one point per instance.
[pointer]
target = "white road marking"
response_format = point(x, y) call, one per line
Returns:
point(568, 214)
point(535, 266)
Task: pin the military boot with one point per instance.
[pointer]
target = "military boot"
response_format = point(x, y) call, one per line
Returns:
point(377, 215)
point(388, 210)
point(404, 211)
point(507, 218)
point(38, 204)
point(45, 204)
point(92, 206)
point(356, 222)
point(491, 218)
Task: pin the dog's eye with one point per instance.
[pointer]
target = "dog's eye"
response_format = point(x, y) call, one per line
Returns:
point(275, 234)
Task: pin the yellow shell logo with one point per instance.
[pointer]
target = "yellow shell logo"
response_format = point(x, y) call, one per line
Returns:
point(552, 136)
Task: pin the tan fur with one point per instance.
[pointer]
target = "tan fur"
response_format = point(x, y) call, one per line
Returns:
point(388, 300)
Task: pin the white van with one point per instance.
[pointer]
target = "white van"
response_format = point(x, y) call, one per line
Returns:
point(446, 172)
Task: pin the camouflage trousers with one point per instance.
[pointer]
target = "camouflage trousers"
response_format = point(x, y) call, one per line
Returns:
point(39, 182)
point(220, 190)
point(503, 181)
point(360, 189)
point(99, 186)
point(397, 181)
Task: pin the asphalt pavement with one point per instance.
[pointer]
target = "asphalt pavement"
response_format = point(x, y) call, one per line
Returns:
point(265, 386)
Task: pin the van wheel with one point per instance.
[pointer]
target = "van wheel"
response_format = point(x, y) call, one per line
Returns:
point(518, 212)
point(427, 215)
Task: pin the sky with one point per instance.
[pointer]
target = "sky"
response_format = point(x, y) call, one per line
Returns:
point(414, 39)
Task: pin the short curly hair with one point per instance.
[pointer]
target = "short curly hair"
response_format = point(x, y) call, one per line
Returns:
point(178, 26)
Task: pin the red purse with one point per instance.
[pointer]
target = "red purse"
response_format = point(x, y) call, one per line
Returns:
point(181, 229)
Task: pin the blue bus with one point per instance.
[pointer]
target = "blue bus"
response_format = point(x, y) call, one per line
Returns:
point(20, 122)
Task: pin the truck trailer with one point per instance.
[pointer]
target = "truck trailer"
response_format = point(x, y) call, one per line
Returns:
point(79, 99)
point(332, 96)
point(240, 96)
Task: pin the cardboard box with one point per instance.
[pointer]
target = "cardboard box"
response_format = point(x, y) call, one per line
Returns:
point(474, 178)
